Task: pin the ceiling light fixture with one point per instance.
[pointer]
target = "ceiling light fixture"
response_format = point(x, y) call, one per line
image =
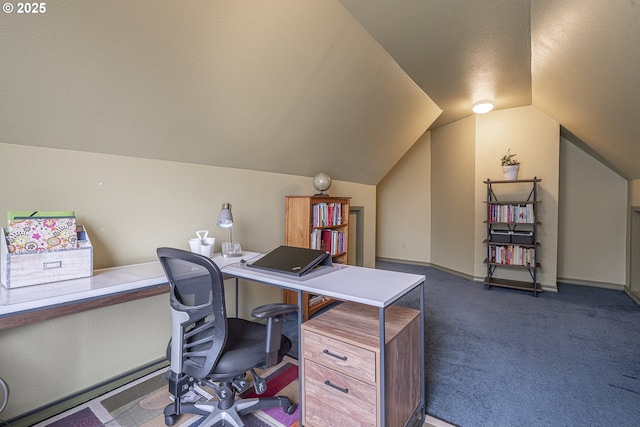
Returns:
point(482, 107)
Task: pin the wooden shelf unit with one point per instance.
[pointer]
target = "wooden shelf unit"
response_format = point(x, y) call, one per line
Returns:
point(512, 234)
point(301, 222)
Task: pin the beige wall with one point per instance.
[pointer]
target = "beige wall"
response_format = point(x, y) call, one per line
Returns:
point(593, 220)
point(634, 192)
point(452, 189)
point(404, 207)
point(463, 155)
point(583, 211)
point(130, 207)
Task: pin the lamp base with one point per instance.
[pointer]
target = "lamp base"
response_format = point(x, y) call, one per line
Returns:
point(231, 249)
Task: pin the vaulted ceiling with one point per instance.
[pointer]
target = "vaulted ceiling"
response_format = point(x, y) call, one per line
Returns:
point(576, 60)
point(298, 87)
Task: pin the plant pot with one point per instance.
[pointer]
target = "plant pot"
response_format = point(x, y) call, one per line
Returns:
point(511, 172)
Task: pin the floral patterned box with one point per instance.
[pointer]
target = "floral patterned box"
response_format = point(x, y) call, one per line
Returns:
point(26, 268)
point(41, 233)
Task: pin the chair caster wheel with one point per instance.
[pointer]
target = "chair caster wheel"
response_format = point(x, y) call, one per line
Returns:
point(170, 419)
point(260, 385)
point(290, 409)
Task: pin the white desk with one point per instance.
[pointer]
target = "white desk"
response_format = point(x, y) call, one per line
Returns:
point(369, 286)
point(29, 304)
point(379, 288)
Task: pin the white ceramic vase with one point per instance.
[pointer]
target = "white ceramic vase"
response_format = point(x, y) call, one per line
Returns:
point(511, 172)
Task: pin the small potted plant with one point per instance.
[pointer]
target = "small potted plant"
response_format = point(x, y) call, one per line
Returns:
point(510, 166)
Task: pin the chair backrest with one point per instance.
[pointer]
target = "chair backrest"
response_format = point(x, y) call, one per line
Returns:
point(198, 313)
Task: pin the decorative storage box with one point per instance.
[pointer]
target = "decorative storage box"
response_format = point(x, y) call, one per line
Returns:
point(522, 237)
point(41, 231)
point(500, 236)
point(33, 268)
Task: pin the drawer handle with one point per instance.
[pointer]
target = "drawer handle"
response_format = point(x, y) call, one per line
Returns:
point(51, 265)
point(344, 390)
point(343, 358)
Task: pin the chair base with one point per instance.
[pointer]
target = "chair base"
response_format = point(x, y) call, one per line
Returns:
point(227, 417)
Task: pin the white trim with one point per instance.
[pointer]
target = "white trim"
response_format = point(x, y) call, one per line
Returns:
point(431, 421)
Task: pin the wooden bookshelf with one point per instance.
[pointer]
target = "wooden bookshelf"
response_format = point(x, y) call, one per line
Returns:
point(317, 222)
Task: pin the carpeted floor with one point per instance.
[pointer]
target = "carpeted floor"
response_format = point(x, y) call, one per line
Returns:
point(504, 358)
point(140, 404)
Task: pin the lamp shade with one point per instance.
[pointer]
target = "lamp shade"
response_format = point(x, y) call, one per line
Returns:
point(225, 219)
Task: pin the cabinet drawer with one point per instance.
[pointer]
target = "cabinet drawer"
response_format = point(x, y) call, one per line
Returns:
point(331, 398)
point(355, 361)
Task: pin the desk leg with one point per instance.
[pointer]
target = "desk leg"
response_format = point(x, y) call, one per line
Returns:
point(300, 356)
point(237, 315)
point(383, 374)
point(423, 381)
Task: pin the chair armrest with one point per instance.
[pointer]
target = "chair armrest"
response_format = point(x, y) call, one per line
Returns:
point(274, 314)
point(273, 310)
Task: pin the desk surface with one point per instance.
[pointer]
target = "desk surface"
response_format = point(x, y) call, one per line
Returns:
point(104, 282)
point(365, 285)
point(370, 286)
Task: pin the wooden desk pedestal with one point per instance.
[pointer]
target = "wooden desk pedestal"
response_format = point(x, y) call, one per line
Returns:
point(342, 370)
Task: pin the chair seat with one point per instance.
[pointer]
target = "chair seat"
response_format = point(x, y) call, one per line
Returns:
point(244, 349)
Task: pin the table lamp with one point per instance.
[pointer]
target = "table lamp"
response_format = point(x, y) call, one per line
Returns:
point(225, 220)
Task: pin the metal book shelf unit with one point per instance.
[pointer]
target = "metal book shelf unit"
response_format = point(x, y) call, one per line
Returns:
point(512, 232)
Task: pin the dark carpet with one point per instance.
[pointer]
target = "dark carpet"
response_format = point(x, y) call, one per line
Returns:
point(505, 358)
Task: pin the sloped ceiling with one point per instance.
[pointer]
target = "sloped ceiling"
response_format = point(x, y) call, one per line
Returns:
point(261, 85)
point(459, 52)
point(586, 74)
point(292, 87)
point(576, 60)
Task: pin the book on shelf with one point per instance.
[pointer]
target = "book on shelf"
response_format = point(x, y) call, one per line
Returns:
point(326, 214)
point(315, 239)
point(331, 241)
point(511, 255)
point(327, 240)
point(518, 213)
point(316, 299)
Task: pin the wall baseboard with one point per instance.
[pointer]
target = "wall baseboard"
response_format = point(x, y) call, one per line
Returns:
point(545, 288)
point(404, 261)
point(426, 264)
point(591, 283)
point(635, 295)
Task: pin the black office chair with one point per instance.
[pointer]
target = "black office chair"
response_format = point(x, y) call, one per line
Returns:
point(208, 348)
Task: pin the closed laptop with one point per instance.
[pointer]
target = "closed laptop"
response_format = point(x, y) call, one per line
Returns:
point(292, 260)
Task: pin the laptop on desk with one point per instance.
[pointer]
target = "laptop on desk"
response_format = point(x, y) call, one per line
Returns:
point(292, 260)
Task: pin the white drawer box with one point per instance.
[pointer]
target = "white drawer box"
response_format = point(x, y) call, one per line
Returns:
point(25, 269)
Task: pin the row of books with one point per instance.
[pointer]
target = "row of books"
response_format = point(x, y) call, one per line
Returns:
point(317, 299)
point(511, 213)
point(326, 214)
point(331, 241)
point(512, 255)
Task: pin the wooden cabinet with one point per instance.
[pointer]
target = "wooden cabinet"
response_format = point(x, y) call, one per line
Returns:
point(341, 364)
point(316, 222)
point(512, 232)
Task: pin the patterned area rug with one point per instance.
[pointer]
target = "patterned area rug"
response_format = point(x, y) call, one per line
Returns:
point(141, 404)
